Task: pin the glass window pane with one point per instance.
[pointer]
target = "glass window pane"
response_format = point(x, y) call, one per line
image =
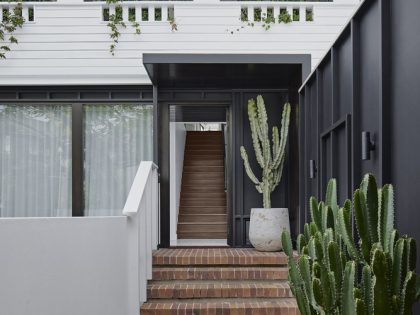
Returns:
point(116, 139)
point(35, 160)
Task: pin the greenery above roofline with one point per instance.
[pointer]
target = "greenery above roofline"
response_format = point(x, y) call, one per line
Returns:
point(11, 21)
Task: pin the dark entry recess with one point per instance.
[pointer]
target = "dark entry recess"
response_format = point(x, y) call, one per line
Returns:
point(369, 79)
point(199, 82)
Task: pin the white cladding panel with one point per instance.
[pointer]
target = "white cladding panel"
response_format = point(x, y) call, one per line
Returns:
point(68, 43)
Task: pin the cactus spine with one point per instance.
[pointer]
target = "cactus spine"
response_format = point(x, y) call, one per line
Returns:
point(270, 159)
point(325, 280)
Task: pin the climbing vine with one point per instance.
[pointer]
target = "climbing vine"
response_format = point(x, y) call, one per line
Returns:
point(116, 22)
point(12, 20)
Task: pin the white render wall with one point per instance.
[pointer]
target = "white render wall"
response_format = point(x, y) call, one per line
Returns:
point(177, 148)
point(68, 43)
point(65, 266)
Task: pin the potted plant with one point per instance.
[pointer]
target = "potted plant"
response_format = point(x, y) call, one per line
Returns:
point(266, 224)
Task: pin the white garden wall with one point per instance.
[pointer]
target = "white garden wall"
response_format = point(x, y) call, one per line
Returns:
point(68, 43)
point(65, 266)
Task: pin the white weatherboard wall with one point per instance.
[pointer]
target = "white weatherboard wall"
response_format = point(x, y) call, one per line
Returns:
point(68, 43)
point(177, 149)
point(65, 266)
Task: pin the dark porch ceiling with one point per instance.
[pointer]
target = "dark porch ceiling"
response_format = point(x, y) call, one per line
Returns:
point(225, 71)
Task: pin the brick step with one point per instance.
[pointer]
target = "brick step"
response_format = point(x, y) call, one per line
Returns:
point(209, 289)
point(285, 306)
point(218, 256)
point(202, 209)
point(219, 273)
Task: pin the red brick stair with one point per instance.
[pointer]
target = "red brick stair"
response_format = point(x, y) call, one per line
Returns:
point(219, 281)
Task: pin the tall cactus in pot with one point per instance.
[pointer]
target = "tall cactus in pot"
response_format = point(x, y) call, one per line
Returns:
point(270, 156)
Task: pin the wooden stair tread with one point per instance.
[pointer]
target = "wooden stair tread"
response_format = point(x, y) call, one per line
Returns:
point(203, 211)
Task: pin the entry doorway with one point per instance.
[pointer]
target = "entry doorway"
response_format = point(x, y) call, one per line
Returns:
point(198, 150)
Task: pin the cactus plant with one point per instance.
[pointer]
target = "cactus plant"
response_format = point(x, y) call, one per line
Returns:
point(330, 259)
point(271, 160)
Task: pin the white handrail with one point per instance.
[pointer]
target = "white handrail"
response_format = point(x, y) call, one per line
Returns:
point(142, 209)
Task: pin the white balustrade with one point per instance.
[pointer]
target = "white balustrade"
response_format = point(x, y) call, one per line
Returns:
point(143, 11)
point(28, 12)
point(142, 208)
point(303, 9)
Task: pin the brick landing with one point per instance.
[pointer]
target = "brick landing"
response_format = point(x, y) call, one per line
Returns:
point(213, 281)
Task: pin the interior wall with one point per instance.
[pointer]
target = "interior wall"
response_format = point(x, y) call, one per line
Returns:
point(177, 147)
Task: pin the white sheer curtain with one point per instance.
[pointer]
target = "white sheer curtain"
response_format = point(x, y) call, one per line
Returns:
point(35, 161)
point(117, 138)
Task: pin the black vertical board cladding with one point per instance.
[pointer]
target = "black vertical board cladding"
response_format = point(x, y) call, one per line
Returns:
point(343, 108)
point(405, 116)
point(312, 120)
point(341, 162)
point(325, 119)
point(377, 40)
point(325, 95)
point(342, 105)
point(293, 157)
point(369, 83)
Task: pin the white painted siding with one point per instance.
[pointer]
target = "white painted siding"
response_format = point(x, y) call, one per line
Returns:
point(68, 43)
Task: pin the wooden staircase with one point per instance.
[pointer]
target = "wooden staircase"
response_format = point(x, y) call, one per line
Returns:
point(202, 281)
point(202, 212)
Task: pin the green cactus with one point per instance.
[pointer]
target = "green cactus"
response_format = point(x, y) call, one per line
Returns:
point(348, 302)
point(325, 280)
point(271, 160)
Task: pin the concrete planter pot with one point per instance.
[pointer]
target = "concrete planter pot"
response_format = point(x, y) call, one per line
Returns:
point(266, 226)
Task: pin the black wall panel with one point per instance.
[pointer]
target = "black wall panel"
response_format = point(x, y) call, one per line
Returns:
point(325, 94)
point(375, 88)
point(342, 76)
point(405, 116)
point(369, 81)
